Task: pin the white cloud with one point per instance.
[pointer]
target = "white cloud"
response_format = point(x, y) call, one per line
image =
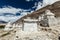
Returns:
point(11, 10)
point(9, 18)
point(35, 5)
point(29, 0)
point(45, 3)
point(39, 5)
point(49, 2)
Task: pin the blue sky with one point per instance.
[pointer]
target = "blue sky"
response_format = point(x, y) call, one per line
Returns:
point(12, 10)
point(25, 4)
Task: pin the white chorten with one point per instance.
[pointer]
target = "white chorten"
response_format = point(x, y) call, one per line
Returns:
point(50, 18)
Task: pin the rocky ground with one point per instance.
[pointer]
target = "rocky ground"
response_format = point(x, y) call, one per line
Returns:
point(45, 33)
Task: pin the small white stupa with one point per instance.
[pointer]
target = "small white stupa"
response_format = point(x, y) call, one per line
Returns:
point(51, 20)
